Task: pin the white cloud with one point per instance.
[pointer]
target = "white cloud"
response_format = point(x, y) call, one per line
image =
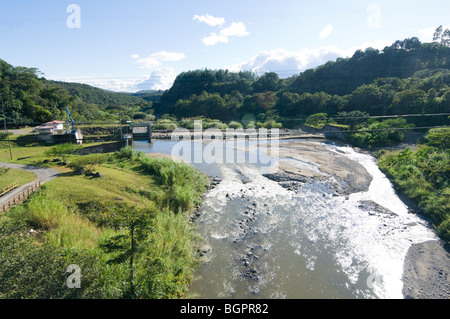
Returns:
point(209, 20)
point(214, 38)
point(154, 60)
point(236, 29)
point(118, 84)
point(159, 79)
point(287, 63)
point(168, 56)
point(326, 31)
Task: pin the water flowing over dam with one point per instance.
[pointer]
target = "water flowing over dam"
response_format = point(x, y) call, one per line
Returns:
point(301, 238)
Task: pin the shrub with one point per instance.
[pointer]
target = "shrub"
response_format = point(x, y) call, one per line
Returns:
point(317, 121)
point(190, 124)
point(377, 134)
point(269, 124)
point(439, 137)
point(214, 124)
point(32, 270)
point(4, 170)
point(423, 176)
point(129, 153)
point(235, 125)
point(4, 135)
point(165, 124)
point(87, 162)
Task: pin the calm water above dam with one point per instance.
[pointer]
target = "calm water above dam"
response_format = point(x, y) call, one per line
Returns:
point(270, 241)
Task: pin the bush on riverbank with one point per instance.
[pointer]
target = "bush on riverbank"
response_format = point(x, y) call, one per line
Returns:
point(379, 134)
point(424, 177)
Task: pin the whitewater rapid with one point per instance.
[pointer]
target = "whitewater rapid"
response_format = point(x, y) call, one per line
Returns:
point(269, 241)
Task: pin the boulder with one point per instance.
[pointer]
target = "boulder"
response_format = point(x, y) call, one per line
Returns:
point(97, 175)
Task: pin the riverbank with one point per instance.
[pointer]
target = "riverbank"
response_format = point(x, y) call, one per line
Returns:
point(426, 265)
point(306, 161)
point(427, 271)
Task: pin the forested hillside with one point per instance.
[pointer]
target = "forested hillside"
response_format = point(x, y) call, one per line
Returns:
point(406, 77)
point(31, 99)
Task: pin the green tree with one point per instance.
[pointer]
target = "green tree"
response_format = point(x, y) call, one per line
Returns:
point(63, 150)
point(353, 118)
point(87, 163)
point(267, 82)
point(442, 36)
point(317, 120)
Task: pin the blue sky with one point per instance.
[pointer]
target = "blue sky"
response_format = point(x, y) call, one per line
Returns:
point(135, 45)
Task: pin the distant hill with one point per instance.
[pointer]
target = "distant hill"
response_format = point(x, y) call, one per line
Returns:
point(31, 99)
point(100, 97)
point(402, 59)
point(149, 95)
point(406, 77)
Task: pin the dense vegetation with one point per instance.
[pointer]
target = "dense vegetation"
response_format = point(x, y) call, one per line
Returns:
point(407, 77)
point(31, 99)
point(128, 231)
point(423, 176)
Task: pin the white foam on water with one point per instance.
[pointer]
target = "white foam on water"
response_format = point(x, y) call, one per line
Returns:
point(380, 241)
point(369, 247)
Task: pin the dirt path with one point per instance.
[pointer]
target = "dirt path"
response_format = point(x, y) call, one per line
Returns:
point(43, 174)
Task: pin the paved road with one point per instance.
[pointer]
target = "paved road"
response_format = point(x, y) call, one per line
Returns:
point(43, 174)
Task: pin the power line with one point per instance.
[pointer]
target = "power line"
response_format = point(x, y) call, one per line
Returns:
point(377, 116)
point(395, 129)
point(277, 119)
point(114, 139)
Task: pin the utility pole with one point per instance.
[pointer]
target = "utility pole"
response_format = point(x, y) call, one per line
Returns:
point(6, 130)
point(120, 125)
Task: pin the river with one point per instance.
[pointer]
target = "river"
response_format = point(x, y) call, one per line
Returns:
point(269, 241)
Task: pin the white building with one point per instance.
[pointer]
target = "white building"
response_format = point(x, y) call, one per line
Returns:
point(53, 127)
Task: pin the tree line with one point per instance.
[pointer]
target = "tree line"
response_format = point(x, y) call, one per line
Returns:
point(407, 77)
point(29, 98)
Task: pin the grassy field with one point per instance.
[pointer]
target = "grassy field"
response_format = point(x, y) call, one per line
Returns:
point(74, 217)
point(16, 175)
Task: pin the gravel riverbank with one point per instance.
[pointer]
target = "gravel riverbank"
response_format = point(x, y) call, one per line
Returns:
point(427, 271)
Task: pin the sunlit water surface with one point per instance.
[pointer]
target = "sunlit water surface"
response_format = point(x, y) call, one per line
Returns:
point(270, 242)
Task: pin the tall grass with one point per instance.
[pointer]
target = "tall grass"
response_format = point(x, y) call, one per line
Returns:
point(62, 228)
point(75, 226)
point(172, 257)
point(183, 184)
point(423, 176)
